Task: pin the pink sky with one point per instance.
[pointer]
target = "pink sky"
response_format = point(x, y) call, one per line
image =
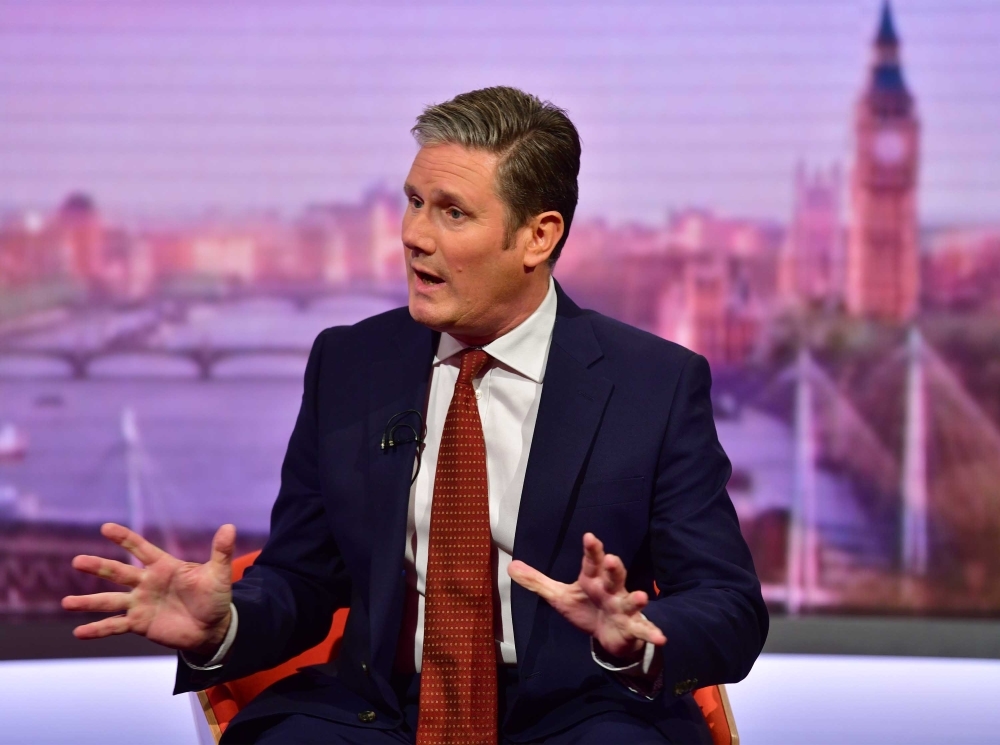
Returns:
point(165, 106)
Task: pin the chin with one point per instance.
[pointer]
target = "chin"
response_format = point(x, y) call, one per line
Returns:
point(425, 313)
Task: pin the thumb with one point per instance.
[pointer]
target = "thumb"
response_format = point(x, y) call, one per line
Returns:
point(223, 545)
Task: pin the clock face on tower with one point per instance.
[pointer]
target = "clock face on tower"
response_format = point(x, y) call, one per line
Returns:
point(889, 147)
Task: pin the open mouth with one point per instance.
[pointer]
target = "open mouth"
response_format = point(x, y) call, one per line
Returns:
point(427, 278)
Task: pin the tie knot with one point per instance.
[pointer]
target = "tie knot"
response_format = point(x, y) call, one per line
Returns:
point(472, 362)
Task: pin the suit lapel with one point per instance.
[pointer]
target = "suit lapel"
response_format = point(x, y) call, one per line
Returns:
point(396, 384)
point(569, 414)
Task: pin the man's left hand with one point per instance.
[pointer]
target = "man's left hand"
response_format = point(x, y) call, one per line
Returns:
point(597, 602)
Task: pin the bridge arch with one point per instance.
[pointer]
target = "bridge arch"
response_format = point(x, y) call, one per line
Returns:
point(33, 364)
point(145, 363)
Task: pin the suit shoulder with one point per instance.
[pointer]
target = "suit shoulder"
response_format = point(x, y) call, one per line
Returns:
point(371, 330)
point(629, 343)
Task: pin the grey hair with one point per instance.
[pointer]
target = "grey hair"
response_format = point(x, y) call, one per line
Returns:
point(537, 145)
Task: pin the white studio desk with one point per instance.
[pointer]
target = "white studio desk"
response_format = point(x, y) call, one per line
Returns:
point(786, 700)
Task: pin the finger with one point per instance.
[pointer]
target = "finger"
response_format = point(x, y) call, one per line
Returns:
point(642, 628)
point(593, 555)
point(634, 602)
point(613, 574)
point(116, 571)
point(105, 627)
point(531, 579)
point(223, 545)
point(132, 542)
point(101, 602)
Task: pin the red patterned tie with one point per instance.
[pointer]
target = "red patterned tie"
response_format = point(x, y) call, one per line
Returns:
point(458, 681)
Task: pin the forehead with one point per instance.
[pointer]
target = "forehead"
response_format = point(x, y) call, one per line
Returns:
point(452, 167)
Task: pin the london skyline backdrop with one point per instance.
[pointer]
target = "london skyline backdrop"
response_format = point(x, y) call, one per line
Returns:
point(855, 358)
point(164, 108)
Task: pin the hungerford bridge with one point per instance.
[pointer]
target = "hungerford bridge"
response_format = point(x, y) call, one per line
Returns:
point(941, 480)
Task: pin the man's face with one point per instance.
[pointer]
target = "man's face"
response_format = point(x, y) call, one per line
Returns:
point(462, 277)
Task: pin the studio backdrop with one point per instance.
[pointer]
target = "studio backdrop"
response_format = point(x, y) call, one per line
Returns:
point(806, 193)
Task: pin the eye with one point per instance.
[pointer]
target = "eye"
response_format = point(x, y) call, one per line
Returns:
point(455, 213)
point(416, 203)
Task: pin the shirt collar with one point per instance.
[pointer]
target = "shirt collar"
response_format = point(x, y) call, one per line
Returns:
point(524, 349)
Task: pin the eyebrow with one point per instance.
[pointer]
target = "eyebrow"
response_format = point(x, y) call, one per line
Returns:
point(439, 195)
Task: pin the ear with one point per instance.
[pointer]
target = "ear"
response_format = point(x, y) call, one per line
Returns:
point(544, 232)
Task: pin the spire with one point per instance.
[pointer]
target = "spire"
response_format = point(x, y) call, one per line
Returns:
point(886, 35)
point(887, 74)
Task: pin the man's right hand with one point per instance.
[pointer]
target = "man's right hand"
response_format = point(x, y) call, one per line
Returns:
point(179, 604)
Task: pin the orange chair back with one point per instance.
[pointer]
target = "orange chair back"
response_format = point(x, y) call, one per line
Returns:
point(223, 702)
point(714, 704)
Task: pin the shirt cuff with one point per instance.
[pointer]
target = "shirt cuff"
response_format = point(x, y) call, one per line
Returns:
point(639, 667)
point(643, 677)
point(216, 662)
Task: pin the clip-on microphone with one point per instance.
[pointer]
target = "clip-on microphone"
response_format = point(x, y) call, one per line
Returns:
point(389, 433)
point(389, 440)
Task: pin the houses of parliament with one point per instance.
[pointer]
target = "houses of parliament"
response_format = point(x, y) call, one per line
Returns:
point(883, 263)
point(877, 273)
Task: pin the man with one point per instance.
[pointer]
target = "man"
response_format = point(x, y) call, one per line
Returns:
point(494, 431)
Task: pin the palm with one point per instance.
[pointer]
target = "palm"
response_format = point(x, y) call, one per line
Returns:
point(597, 602)
point(178, 604)
point(177, 601)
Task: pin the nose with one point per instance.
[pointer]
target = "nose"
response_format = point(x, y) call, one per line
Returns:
point(418, 233)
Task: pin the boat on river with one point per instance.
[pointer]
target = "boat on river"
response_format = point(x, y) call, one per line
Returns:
point(13, 443)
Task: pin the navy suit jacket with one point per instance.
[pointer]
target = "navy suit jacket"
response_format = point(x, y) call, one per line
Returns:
point(625, 446)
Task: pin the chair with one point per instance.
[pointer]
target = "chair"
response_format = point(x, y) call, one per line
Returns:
point(215, 707)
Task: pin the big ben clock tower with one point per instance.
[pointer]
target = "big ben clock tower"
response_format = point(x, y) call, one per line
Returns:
point(882, 255)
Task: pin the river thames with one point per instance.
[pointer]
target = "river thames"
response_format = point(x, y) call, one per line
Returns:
point(209, 452)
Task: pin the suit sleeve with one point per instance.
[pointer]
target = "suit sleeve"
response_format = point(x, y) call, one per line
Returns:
point(710, 606)
point(286, 600)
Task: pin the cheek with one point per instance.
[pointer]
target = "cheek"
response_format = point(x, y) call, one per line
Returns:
point(474, 261)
